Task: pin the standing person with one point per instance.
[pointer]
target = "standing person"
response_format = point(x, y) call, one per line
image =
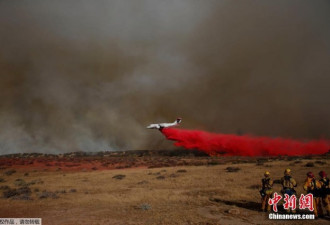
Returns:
point(266, 191)
point(325, 191)
point(312, 186)
point(288, 184)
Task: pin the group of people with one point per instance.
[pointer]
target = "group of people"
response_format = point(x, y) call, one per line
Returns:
point(318, 187)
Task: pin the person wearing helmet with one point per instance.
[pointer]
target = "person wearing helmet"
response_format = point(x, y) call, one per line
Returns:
point(266, 191)
point(288, 184)
point(325, 191)
point(313, 186)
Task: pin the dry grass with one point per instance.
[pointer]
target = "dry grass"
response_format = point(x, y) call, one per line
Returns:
point(201, 195)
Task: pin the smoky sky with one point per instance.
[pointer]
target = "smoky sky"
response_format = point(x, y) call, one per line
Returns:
point(90, 75)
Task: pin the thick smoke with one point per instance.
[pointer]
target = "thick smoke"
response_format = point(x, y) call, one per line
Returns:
point(90, 75)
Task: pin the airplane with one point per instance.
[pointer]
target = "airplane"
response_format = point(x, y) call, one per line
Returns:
point(160, 126)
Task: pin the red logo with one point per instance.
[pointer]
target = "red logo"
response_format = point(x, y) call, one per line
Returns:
point(274, 201)
point(306, 201)
point(290, 202)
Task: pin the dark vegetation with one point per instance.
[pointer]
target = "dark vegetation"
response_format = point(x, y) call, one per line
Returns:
point(23, 191)
point(143, 182)
point(4, 187)
point(160, 177)
point(310, 164)
point(47, 194)
point(86, 161)
point(10, 172)
point(119, 176)
point(232, 169)
point(320, 162)
point(19, 193)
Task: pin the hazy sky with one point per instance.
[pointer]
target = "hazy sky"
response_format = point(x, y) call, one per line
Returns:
point(90, 75)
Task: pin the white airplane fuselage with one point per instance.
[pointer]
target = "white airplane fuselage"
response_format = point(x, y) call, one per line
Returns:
point(160, 126)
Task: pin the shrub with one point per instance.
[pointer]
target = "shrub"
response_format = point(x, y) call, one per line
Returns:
point(320, 162)
point(119, 176)
point(24, 190)
point(10, 193)
point(145, 206)
point(10, 172)
point(233, 169)
point(22, 197)
point(214, 162)
point(310, 164)
point(4, 187)
point(143, 182)
point(47, 194)
point(160, 178)
point(20, 182)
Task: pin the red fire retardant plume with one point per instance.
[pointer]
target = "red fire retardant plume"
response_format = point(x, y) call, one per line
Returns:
point(229, 144)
